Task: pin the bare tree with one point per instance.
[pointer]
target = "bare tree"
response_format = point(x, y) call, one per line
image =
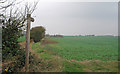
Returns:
point(17, 11)
point(4, 4)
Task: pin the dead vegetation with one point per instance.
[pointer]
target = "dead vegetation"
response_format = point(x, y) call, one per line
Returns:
point(47, 41)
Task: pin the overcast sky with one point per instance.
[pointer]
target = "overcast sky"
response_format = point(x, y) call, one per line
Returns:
point(74, 18)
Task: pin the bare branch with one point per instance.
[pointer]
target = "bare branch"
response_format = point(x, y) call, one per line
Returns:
point(34, 7)
point(31, 7)
point(3, 1)
point(6, 6)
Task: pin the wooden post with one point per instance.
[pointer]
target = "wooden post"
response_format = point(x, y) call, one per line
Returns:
point(27, 43)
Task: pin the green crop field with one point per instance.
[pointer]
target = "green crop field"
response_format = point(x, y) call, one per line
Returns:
point(81, 54)
point(78, 54)
point(87, 48)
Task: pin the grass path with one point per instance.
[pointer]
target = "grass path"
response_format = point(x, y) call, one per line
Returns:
point(53, 65)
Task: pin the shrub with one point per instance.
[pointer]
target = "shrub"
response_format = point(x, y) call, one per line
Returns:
point(37, 33)
point(19, 63)
point(10, 46)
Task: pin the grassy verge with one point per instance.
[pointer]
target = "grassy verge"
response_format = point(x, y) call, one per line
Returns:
point(72, 67)
point(43, 53)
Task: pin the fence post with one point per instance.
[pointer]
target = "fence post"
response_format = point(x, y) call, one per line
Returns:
point(27, 43)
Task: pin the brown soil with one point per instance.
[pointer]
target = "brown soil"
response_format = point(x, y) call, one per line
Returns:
point(47, 41)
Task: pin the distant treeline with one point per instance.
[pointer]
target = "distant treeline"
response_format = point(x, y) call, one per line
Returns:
point(94, 35)
point(47, 35)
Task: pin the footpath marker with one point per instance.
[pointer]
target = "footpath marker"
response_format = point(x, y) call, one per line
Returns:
point(29, 19)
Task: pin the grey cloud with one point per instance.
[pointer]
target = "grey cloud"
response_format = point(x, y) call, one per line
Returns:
point(72, 18)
